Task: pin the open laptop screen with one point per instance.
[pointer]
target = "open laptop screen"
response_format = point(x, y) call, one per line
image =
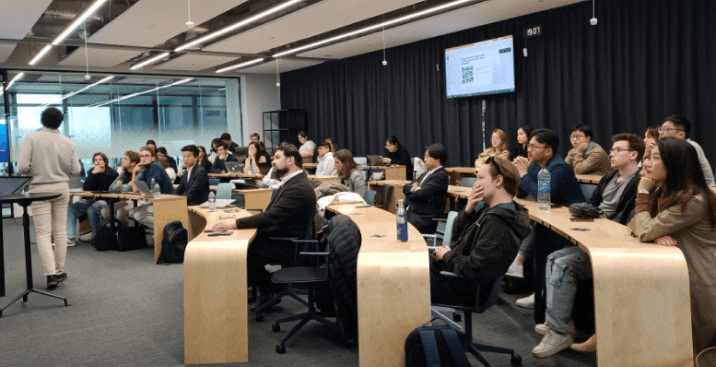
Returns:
point(13, 184)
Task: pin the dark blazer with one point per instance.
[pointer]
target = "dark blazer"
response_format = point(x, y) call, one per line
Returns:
point(197, 189)
point(428, 202)
point(563, 185)
point(219, 164)
point(625, 208)
point(291, 208)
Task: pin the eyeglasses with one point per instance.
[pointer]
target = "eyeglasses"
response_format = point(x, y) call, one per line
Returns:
point(619, 150)
point(667, 129)
point(574, 137)
point(535, 146)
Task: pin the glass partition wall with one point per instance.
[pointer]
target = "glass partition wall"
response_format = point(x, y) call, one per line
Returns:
point(114, 113)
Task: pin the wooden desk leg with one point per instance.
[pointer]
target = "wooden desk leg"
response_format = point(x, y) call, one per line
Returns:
point(167, 210)
point(215, 303)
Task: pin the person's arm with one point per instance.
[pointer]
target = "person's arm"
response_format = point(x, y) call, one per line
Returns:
point(359, 185)
point(24, 163)
point(92, 180)
point(591, 163)
point(488, 246)
point(667, 221)
point(285, 207)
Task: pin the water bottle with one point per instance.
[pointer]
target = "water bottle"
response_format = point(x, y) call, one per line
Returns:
point(155, 187)
point(212, 202)
point(543, 185)
point(402, 222)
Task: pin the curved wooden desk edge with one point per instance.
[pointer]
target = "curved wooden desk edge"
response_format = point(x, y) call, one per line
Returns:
point(393, 285)
point(215, 296)
point(641, 292)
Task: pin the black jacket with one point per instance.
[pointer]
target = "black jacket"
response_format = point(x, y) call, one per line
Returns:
point(219, 164)
point(402, 157)
point(100, 181)
point(428, 202)
point(488, 240)
point(625, 208)
point(197, 189)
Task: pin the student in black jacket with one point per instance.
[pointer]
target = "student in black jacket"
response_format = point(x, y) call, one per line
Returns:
point(195, 182)
point(397, 154)
point(426, 195)
point(222, 155)
point(99, 179)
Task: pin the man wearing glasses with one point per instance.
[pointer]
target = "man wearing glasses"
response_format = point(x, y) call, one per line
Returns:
point(615, 196)
point(677, 126)
point(586, 156)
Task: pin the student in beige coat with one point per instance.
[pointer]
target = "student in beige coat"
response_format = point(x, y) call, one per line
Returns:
point(586, 157)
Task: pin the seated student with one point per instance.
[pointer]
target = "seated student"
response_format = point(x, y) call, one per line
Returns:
point(326, 162)
point(222, 155)
point(254, 157)
point(164, 162)
point(498, 148)
point(523, 138)
point(651, 135)
point(212, 154)
point(348, 172)
point(203, 160)
point(195, 183)
point(677, 126)
point(162, 154)
point(615, 196)
point(230, 145)
point(287, 215)
point(488, 232)
point(425, 197)
point(146, 171)
point(586, 156)
point(334, 145)
point(675, 207)
point(121, 184)
point(255, 137)
point(99, 179)
point(151, 144)
point(397, 154)
point(308, 147)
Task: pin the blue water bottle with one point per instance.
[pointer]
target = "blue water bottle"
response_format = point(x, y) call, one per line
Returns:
point(402, 222)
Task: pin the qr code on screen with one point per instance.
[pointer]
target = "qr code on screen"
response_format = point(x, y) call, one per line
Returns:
point(467, 74)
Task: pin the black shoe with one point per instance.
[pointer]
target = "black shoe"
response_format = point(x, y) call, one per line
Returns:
point(52, 282)
point(61, 277)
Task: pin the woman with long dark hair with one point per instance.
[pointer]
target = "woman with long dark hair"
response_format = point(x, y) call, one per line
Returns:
point(523, 138)
point(675, 207)
point(254, 156)
point(348, 172)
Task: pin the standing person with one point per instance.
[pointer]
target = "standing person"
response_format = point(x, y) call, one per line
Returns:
point(99, 179)
point(50, 158)
point(348, 172)
point(425, 197)
point(586, 156)
point(308, 147)
point(677, 126)
point(675, 207)
point(398, 155)
point(499, 148)
point(523, 138)
point(326, 163)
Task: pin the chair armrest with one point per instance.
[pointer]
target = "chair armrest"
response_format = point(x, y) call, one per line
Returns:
point(287, 239)
point(314, 253)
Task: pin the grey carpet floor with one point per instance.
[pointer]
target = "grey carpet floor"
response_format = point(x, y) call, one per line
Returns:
point(127, 311)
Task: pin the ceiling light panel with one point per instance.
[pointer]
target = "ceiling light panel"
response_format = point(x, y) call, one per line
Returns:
point(318, 18)
point(46, 77)
point(270, 67)
point(97, 57)
point(152, 22)
point(194, 62)
point(18, 16)
point(453, 21)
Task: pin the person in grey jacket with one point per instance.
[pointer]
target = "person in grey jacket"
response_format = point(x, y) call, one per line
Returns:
point(50, 158)
point(348, 172)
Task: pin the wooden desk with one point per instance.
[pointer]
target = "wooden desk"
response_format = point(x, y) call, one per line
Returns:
point(641, 292)
point(329, 179)
point(393, 172)
point(393, 285)
point(457, 173)
point(215, 298)
point(392, 192)
point(256, 199)
point(589, 179)
point(310, 165)
point(255, 176)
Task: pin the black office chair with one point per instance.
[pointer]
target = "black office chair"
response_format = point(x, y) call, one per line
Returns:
point(480, 306)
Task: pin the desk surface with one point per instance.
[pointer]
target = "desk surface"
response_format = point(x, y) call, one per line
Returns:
point(237, 175)
point(641, 291)
point(215, 297)
point(393, 285)
point(590, 179)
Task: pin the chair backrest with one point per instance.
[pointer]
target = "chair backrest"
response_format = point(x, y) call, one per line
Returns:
point(361, 161)
point(369, 197)
point(449, 223)
point(223, 190)
point(492, 285)
point(468, 181)
point(213, 181)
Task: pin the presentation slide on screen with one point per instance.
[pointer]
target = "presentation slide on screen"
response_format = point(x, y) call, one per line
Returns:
point(480, 68)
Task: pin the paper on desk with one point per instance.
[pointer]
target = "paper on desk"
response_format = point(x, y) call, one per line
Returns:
point(220, 203)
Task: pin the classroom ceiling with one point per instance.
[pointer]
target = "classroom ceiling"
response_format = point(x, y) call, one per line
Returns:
point(123, 33)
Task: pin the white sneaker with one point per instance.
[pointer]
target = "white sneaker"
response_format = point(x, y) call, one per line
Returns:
point(70, 242)
point(552, 343)
point(526, 302)
point(543, 329)
point(87, 237)
point(516, 269)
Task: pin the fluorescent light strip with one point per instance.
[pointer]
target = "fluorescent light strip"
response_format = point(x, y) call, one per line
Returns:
point(237, 25)
point(61, 37)
point(150, 61)
point(242, 65)
point(68, 95)
point(17, 77)
point(183, 81)
point(373, 27)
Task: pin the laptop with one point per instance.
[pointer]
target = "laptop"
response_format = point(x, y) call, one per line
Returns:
point(11, 185)
point(143, 188)
point(375, 160)
point(234, 167)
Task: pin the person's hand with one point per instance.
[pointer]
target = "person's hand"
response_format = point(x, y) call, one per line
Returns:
point(475, 196)
point(441, 251)
point(138, 168)
point(223, 226)
point(387, 160)
point(134, 187)
point(645, 183)
point(521, 163)
point(666, 241)
point(98, 168)
point(583, 146)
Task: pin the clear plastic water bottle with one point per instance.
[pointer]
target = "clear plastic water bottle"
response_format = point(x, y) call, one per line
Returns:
point(402, 222)
point(543, 185)
point(212, 202)
point(155, 187)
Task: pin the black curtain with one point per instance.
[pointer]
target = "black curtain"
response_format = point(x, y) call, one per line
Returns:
point(645, 59)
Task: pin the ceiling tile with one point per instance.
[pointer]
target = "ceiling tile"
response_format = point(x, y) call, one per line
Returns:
point(98, 57)
point(270, 67)
point(5, 51)
point(18, 16)
point(194, 62)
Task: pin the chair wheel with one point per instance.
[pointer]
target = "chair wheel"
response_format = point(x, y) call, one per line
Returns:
point(456, 317)
point(275, 327)
point(259, 318)
point(280, 348)
point(516, 360)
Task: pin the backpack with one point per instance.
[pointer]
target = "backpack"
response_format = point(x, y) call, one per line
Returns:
point(131, 238)
point(106, 237)
point(434, 346)
point(173, 243)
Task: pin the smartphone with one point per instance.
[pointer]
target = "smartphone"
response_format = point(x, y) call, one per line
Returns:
point(220, 233)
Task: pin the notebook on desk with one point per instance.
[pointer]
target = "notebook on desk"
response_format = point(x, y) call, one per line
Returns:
point(11, 185)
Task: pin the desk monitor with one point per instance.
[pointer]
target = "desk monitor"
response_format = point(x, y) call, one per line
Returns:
point(11, 185)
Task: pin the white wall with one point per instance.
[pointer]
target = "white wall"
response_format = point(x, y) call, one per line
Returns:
point(258, 94)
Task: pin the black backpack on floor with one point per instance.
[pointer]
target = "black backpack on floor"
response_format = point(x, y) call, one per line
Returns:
point(173, 243)
point(131, 238)
point(435, 346)
point(106, 237)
